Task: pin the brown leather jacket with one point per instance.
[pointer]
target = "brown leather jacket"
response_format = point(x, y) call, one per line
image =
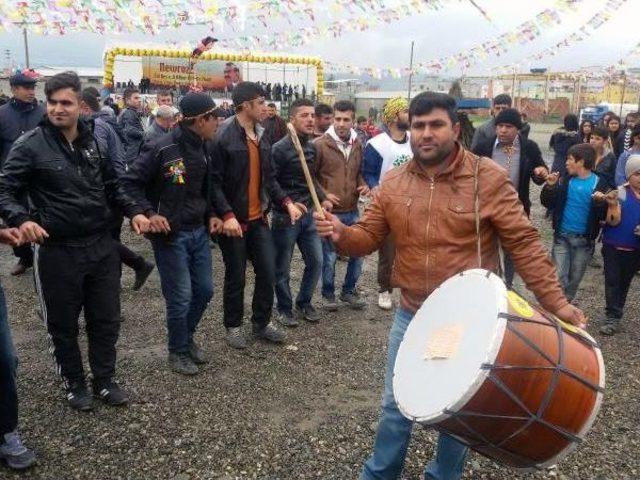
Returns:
point(433, 223)
point(337, 175)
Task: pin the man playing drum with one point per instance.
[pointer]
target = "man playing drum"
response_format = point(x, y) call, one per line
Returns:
point(429, 206)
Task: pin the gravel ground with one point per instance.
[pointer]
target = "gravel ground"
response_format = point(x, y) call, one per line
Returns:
point(307, 410)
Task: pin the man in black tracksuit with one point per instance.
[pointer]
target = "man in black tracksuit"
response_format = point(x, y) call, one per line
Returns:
point(71, 189)
point(21, 114)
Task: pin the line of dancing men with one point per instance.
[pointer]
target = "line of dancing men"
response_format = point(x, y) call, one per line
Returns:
point(202, 179)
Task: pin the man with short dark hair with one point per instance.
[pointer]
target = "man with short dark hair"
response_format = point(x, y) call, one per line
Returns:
point(171, 182)
point(109, 140)
point(424, 204)
point(130, 122)
point(324, 119)
point(291, 222)
point(73, 191)
point(361, 130)
point(624, 140)
point(488, 129)
point(274, 125)
point(338, 168)
point(19, 115)
point(242, 183)
point(520, 157)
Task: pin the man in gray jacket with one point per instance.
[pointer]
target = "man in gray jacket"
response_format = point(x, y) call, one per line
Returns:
point(487, 130)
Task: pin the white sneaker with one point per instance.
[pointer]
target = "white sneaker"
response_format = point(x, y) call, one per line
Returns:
point(384, 301)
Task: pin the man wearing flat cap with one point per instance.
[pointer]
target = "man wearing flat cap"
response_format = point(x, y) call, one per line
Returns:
point(520, 157)
point(21, 114)
point(171, 181)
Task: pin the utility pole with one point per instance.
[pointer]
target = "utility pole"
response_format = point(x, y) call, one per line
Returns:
point(26, 46)
point(624, 91)
point(410, 72)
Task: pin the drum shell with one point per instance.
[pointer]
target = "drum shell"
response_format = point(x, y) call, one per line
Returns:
point(541, 396)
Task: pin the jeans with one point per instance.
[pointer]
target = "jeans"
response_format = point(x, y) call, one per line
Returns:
point(394, 430)
point(620, 266)
point(8, 364)
point(186, 276)
point(285, 237)
point(571, 254)
point(256, 245)
point(329, 256)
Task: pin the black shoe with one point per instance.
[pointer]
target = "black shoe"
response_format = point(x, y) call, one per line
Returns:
point(142, 274)
point(19, 268)
point(183, 364)
point(110, 393)
point(79, 398)
point(309, 313)
point(354, 300)
point(287, 319)
point(269, 333)
point(197, 355)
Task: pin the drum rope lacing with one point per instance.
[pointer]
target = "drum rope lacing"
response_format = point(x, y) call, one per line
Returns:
point(558, 369)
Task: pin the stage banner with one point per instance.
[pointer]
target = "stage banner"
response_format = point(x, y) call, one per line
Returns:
point(208, 74)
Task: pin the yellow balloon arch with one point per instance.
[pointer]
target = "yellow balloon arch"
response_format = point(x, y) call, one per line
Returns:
point(112, 53)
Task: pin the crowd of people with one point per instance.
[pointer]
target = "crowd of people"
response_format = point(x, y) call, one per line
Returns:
point(186, 176)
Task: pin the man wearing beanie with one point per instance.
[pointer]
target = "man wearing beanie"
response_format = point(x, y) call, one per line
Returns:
point(171, 181)
point(243, 185)
point(621, 244)
point(520, 157)
point(383, 152)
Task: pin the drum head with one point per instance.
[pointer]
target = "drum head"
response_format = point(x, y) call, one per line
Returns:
point(455, 332)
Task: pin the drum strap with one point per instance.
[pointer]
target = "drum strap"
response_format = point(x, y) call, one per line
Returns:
point(476, 208)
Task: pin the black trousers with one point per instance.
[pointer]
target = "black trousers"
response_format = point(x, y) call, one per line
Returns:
point(619, 269)
point(127, 256)
point(256, 245)
point(69, 279)
point(24, 253)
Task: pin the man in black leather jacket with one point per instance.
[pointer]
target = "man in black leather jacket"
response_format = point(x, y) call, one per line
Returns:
point(171, 182)
point(242, 184)
point(21, 114)
point(72, 190)
point(292, 222)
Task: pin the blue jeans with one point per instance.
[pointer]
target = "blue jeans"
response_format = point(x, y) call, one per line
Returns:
point(394, 430)
point(186, 276)
point(329, 256)
point(571, 254)
point(285, 237)
point(8, 364)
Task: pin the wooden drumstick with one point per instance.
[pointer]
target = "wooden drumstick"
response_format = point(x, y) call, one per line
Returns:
point(305, 169)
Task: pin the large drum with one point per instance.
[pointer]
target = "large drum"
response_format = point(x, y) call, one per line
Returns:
point(506, 378)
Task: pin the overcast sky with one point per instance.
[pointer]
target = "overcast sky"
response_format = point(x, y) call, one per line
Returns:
point(456, 27)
